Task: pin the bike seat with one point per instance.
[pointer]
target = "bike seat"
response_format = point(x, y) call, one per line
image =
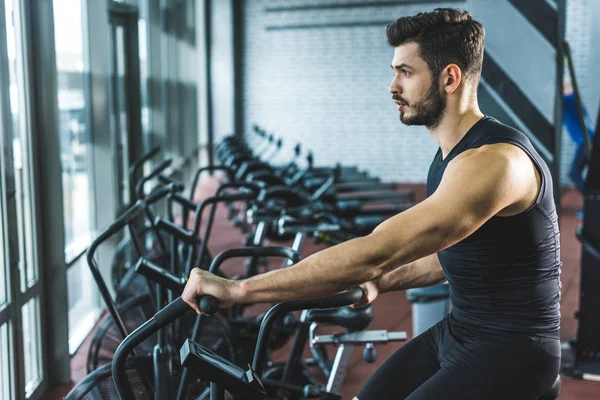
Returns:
point(353, 319)
point(554, 391)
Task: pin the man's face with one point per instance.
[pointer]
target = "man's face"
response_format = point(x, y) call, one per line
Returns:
point(418, 97)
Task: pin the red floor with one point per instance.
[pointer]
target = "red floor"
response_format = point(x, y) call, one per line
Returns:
point(393, 312)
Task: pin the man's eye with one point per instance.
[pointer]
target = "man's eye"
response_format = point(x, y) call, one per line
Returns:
point(405, 72)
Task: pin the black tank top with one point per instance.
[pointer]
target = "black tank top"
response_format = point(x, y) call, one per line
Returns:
point(506, 275)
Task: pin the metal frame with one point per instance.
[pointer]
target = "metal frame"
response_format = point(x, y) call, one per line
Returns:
point(39, 46)
point(208, 68)
point(99, 70)
point(558, 101)
point(238, 66)
point(39, 103)
point(126, 15)
point(7, 315)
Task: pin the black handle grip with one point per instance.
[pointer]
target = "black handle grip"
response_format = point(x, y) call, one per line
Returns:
point(343, 299)
point(160, 168)
point(160, 276)
point(175, 230)
point(139, 189)
point(179, 187)
point(187, 204)
point(209, 304)
point(177, 308)
point(136, 165)
point(158, 194)
point(275, 251)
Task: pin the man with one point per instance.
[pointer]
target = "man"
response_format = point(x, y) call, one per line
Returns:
point(488, 226)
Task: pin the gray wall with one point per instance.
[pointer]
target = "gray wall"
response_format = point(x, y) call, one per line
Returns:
point(328, 87)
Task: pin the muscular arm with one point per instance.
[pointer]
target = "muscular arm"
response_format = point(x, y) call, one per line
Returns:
point(425, 271)
point(477, 185)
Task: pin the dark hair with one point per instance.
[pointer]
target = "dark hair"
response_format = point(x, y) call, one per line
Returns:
point(445, 36)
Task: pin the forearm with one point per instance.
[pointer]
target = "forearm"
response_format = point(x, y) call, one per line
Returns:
point(348, 264)
point(322, 274)
point(426, 271)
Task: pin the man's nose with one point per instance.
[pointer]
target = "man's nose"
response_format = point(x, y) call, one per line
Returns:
point(395, 87)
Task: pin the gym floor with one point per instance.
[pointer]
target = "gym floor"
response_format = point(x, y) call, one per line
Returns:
point(393, 312)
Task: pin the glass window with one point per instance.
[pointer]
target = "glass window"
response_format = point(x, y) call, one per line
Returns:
point(21, 148)
point(83, 308)
point(121, 114)
point(5, 364)
point(144, 78)
point(31, 345)
point(75, 141)
point(76, 152)
point(4, 261)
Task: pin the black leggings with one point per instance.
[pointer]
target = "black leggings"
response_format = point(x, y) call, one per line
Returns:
point(452, 361)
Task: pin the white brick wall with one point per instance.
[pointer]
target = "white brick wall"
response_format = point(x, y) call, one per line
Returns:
point(327, 88)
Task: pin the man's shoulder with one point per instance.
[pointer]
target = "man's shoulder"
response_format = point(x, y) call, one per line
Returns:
point(493, 128)
point(502, 153)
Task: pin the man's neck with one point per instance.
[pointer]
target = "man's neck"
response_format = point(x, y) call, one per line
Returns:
point(454, 126)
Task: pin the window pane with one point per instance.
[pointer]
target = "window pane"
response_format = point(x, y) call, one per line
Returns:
point(4, 262)
point(2, 281)
point(5, 364)
point(32, 345)
point(84, 305)
point(21, 148)
point(121, 109)
point(75, 143)
point(76, 159)
point(144, 79)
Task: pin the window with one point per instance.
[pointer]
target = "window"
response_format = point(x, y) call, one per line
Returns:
point(76, 153)
point(21, 149)
point(5, 364)
point(32, 345)
point(19, 217)
point(84, 308)
point(75, 141)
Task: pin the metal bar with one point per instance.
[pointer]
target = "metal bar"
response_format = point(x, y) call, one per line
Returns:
point(558, 103)
point(35, 290)
point(512, 117)
point(293, 364)
point(518, 101)
point(238, 65)
point(339, 368)
point(542, 16)
point(362, 337)
point(6, 314)
point(134, 101)
point(208, 69)
point(38, 28)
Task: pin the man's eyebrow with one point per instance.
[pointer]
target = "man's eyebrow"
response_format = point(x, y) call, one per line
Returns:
point(401, 66)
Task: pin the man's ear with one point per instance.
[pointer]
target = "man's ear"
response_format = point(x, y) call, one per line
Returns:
point(451, 78)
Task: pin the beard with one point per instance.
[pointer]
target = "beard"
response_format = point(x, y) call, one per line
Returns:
point(428, 111)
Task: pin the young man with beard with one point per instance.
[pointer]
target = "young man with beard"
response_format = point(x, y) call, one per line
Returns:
point(488, 226)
